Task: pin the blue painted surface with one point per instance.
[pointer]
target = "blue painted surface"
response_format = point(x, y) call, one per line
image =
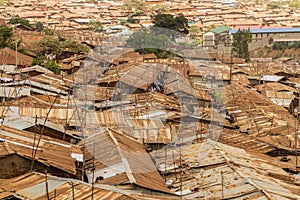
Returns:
point(270, 30)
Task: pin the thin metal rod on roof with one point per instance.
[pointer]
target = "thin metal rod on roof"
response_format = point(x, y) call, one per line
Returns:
point(54, 197)
point(47, 190)
point(73, 194)
point(93, 178)
point(34, 136)
point(42, 131)
point(222, 183)
point(67, 113)
point(296, 150)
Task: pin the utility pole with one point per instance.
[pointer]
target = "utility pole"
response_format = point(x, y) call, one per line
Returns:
point(297, 132)
point(46, 180)
point(16, 45)
point(230, 66)
point(222, 183)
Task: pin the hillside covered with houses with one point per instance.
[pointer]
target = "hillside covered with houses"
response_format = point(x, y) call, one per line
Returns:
point(150, 99)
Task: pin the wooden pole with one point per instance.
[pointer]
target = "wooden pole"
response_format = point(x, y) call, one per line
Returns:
point(222, 182)
point(93, 170)
point(73, 195)
point(47, 185)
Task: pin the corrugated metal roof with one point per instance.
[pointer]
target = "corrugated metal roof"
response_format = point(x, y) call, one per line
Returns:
point(39, 190)
point(221, 29)
point(33, 186)
point(270, 30)
point(121, 148)
point(241, 173)
point(272, 78)
point(51, 152)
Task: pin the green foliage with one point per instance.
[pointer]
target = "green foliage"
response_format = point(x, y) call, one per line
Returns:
point(52, 66)
point(294, 4)
point(55, 45)
point(211, 27)
point(194, 31)
point(38, 61)
point(22, 21)
point(95, 26)
point(74, 46)
point(135, 5)
point(168, 21)
point(219, 97)
point(271, 40)
point(160, 9)
point(123, 21)
point(49, 45)
point(145, 41)
point(91, 1)
point(48, 31)
point(286, 45)
point(273, 5)
point(39, 26)
point(6, 36)
point(240, 44)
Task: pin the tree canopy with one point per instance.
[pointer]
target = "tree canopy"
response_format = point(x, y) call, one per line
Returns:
point(240, 44)
point(49, 45)
point(55, 45)
point(22, 21)
point(146, 41)
point(177, 23)
point(6, 36)
point(135, 6)
point(95, 26)
point(39, 26)
point(52, 66)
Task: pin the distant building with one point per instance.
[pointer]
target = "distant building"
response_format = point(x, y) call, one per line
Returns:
point(264, 36)
point(216, 36)
point(9, 57)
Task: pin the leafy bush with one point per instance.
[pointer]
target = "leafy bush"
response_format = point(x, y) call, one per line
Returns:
point(52, 66)
point(22, 21)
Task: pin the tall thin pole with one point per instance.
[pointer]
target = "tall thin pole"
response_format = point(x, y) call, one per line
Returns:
point(222, 182)
point(230, 65)
point(297, 131)
point(73, 195)
point(16, 45)
point(93, 170)
point(46, 178)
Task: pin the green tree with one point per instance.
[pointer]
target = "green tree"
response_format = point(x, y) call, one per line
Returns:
point(48, 31)
point(194, 31)
point(123, 21)
point(294, 4)
point(168, 21)
point(74, 46)
point(160, 9)
point(52, 66)
point(273, 5)
point(39, 26)
point(95, 26)
point(54, 45)
point(22, 21)
point(6, 36)
point(49, 45)
point(146, 41)
point(240, 44)
point(135, 6)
